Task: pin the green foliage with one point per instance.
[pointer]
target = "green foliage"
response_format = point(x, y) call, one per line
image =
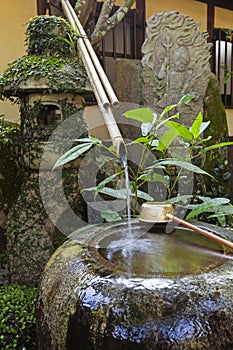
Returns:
point(220, 207)
point(10, 171)
point(51, 35)
point(51, 55)
point(84, 145)
point(53, 69)
point(229, 33)
point(161, 133)
point(110, 215)
point(17, 317)
point(227, 72)
point(7, 130)
point(221, 176)
point(144, 115)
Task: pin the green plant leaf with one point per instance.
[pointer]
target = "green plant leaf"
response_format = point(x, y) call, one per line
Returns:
point(198, 126)
point(226, 78)
point(217, 145)
point(166, 110)
point(144, 195)
point(216, 201)
point(90, 139)
point(153, 177)
point(143, 139)
point(108, 179)
point(199, 209)
point(120, 194)
point(166, 139)
point(204, 125)
point(195, 128)
point(178, 199)
point(205, 140)
point(216, 205)
point(144, 115)
point(72, 154)
point(110, 215)
point(179, 163)
point(161, 122)
point(226, 175)
point(185, 99)
point(180, 129)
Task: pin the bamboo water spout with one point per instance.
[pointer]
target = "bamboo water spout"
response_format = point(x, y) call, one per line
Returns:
point(99, 81)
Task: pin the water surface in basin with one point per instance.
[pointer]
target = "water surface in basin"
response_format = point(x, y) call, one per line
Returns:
point(181, 252)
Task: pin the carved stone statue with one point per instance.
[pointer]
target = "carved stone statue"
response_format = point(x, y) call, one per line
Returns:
point(175, 63)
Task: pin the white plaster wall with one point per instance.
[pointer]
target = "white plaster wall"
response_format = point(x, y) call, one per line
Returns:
point(14, 17)
point(229, 113)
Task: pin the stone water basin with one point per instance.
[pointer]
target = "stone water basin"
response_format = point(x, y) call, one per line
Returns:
point(104, 290)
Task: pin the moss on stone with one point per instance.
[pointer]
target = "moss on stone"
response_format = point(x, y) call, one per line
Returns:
point(51, 35)
point(10, 172)
point(66, 251)
point(52, 59)
point(81, 307)
point(214, 111)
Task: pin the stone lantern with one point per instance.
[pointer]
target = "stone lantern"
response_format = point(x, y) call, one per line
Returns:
point(50, 85)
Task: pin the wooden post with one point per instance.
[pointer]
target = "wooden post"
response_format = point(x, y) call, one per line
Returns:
point(41, 7)
point(140, 26)
point(210, 26)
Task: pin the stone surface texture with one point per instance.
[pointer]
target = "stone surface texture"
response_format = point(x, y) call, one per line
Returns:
point(84, 304)
point(175, 63)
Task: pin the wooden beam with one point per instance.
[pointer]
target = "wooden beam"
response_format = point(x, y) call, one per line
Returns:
point(210, 20)
point(226, 4)
point(140, 26)
point(210, 27)
point(230, 161)
point(41, 7)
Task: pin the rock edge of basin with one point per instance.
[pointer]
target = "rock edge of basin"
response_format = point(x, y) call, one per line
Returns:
point(83, 305)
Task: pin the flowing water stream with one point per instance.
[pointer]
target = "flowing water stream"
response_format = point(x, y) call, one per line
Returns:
point(128, 201)
point(188, 253)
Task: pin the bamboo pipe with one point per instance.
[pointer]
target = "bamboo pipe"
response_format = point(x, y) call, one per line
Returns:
point(98, 90)
point(108, 88)
point(201, 231)
point(114, 133)
point(94, 79)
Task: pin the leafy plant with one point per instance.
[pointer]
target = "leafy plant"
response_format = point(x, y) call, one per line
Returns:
point(219, 207)
point(51, 55)
point(218, 184)
point(110, 215)
point(17, 317)
point(51, 35)
point(161, 134)
point(7, 130)
point(229, 33)
point(227, 72)
point(53, 69)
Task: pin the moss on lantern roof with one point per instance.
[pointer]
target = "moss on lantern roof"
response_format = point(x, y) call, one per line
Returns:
point(51, 35)
point(47, 73)
point(52, 62)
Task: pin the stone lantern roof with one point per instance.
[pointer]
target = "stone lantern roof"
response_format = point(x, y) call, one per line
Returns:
point(51, 64)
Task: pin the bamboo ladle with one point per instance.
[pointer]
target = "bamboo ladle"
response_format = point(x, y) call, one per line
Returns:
point(157, 212)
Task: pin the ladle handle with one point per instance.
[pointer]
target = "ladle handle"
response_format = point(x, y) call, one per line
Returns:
point(201, 231)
